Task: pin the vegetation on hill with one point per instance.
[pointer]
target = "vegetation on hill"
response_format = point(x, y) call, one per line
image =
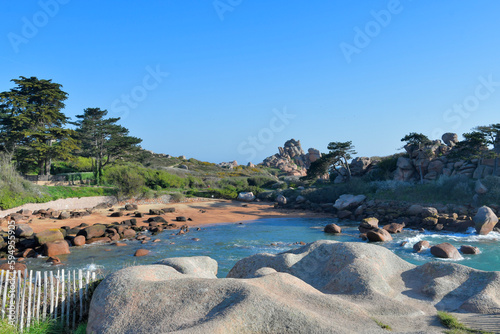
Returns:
point(97, 153)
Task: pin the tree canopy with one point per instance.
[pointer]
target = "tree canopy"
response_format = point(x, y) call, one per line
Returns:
point(340, 153)
point(102, 139)
point(417, 139)
point(32, 125)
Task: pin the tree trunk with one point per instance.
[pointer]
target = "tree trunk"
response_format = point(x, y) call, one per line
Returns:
point(48, 164)
point(348, 169)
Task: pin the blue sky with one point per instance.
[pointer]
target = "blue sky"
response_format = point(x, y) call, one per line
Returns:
point(234, 79)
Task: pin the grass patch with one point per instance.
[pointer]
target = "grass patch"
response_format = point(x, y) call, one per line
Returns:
point(57, 192)
point(382, 325)
point(48, 326)
point(455, 326)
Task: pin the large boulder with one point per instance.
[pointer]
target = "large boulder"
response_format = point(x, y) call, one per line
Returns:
point(415, 210)
point(485, 220)
point(445, 250)
point(421, 245)
point(378, 235)
point(368, 224)
point(49, 235)
point(323, 287)
point(450, 139)
point(23, 231)
point(55, 248)
point(245, 197)
point(332, 228)
point(199, 266)
point(394, 228)
point(346, 201)
point(160, 299)
point(281, 199)
point(359, 165)
point(94, 231)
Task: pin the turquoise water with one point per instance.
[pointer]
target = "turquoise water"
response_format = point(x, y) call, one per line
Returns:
point(228, 243)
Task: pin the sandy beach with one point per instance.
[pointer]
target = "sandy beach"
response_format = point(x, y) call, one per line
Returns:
point(201, 213)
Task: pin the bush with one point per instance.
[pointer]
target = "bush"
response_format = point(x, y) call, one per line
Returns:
point(177, 197)
point(261, 181)
point(80, 164)
point(128, 180)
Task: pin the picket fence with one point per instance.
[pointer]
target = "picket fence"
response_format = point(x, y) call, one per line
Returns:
point(64, 296)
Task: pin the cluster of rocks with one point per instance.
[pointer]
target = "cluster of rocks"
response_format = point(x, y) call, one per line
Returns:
point(58, 241)
point(454, 218)
point(342, 288)
point(291, 158)
point(228, 165)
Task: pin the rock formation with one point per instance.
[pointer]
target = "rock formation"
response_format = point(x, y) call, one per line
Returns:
point(322, 287)
point(292, 159)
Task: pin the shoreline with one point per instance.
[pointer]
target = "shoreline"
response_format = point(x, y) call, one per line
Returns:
point(202, 213)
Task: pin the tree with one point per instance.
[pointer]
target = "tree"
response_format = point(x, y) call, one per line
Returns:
point(341, 152)
point(319, 167)
point(102, 139)
point(416, 139)
point(492, 135)
point(32, 125)
point(474, 145)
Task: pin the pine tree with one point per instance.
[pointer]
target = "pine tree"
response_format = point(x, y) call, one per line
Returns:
point(32, 128)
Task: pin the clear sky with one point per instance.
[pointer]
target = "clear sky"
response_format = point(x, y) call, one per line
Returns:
point(234, 79)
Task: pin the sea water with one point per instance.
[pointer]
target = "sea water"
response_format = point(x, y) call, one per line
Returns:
point(228, 243)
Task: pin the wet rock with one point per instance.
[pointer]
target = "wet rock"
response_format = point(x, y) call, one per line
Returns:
point(421, 245)
point(378, 234)
point(368, 224)
point(98, 240)
point(394, 228)
point(445, 250)
point(332, 228)
point(54, 260)
point(59, 247)
point(79, 240)
point(128, 234)
point(141, 252)
point(471, 250)
point(485, 220)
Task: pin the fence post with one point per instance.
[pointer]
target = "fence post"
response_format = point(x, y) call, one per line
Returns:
point(63, 296)
point(4, 299)
point(28, 316)
point(1, 288)
point(80, 291)
point(68, 302)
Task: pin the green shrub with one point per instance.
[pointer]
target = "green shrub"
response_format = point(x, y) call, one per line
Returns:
point(177, 197)
point(80, 164)
point(128, 180)
point(261, 181)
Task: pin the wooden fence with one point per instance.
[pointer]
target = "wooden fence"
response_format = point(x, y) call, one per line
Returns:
point(28, 298)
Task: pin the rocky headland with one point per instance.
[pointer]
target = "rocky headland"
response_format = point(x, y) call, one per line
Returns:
point(322, 287)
